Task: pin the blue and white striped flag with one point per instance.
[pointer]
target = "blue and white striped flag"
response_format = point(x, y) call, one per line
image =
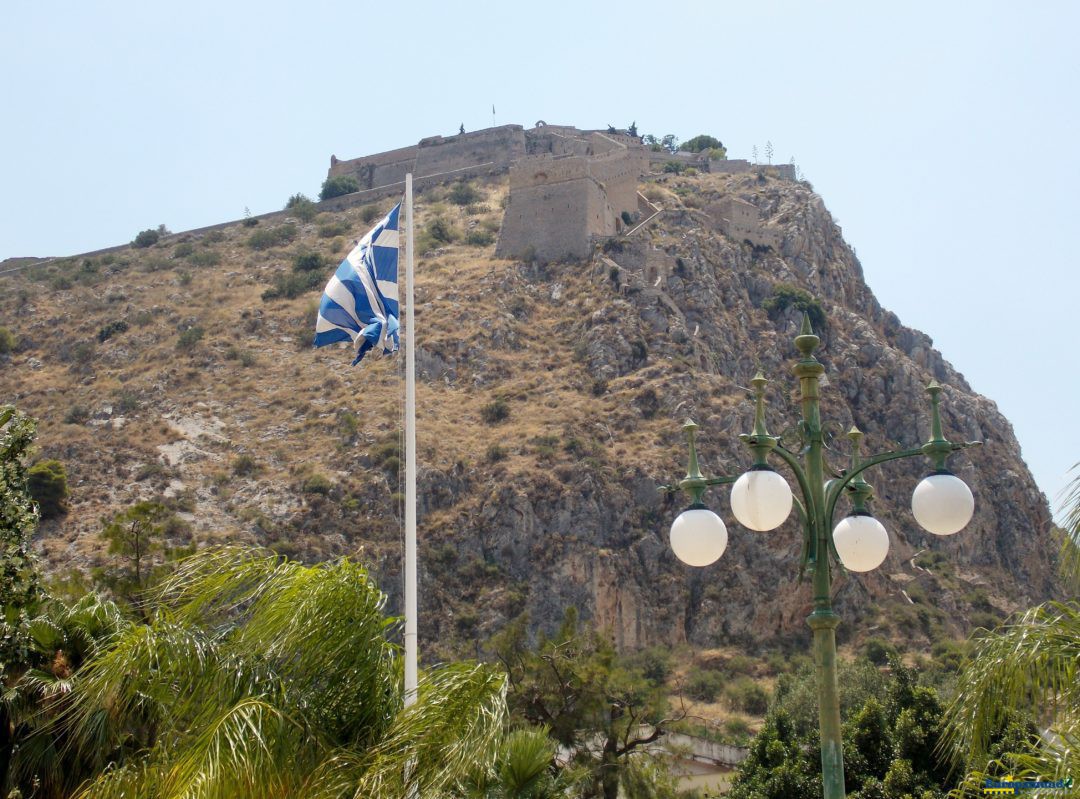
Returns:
point(360, 303)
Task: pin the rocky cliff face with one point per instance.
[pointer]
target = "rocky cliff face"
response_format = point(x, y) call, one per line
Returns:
point(551, 399)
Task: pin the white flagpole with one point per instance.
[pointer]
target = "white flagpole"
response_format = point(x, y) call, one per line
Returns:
point(410, 455)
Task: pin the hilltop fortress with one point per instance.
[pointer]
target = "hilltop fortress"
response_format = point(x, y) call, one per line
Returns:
point(568, 187)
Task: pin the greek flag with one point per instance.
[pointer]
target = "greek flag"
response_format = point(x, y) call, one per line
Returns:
point(360, 303)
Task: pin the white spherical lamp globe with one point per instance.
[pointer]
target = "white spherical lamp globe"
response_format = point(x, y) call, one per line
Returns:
point(761, 500)
point(698, 537)
point(942, 504)
point(861, 542)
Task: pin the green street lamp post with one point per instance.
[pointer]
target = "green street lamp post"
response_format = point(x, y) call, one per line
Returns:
point(761, 500)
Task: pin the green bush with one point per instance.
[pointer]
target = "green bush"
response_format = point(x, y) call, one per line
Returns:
point(369, 213)
point(47, 483)
point(699, 143)
point(705, 685)
point(746, 695)
point(245, 466)
point(189, 338)
point(878, 651)
point(317, 484)
point(205, 258)
point(497, 410)
point(7, 341)
point(478, 238)
point(272, 237)
point(146, 238)
point(302, 207)
point(463, 193)
point(785, 295)
point(441, 230)
point(292, 285)
point(111, 329)
point(336, 228)
point(496, 453)
point(77, 414)
point(673, 167)
point(308, 262)
point(338, 186)
point(183, 250)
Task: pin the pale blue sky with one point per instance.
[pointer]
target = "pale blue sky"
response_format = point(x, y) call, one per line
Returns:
point(943, 136)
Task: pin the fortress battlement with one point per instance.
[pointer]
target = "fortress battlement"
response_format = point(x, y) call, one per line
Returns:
point(568, 187)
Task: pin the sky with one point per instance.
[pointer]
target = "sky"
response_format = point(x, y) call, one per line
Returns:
point(942, 136)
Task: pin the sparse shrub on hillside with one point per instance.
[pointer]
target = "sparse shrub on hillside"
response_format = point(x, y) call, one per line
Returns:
point(189, 338)
point(111, 329)
point(785, 295)
point(61, 282)
point(442, 230)
point(648, 402)
point(673, 167)
point(338, 186)
point(878, 651)
point(478, 238)
point(291, 285)
point(184, 277)
point(302, 207)
point(146, 238)
point(77, 414)
point(338, 227)
point(272, 237)
point(463, 193)
point(46, 482)
point(7, 341)
point(205, 258)
point(183, 250)
point(245, 466)
point(705, 685)
point(496, 453)
point(746, 695)
point(214, 237)
point(626, 218)
point(496, 411)
point(308, 262)
point(369, 213)
point(690, 171)
point(613, 245)
point(317, 484)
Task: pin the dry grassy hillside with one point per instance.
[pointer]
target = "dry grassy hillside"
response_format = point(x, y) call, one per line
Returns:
point(549, 407)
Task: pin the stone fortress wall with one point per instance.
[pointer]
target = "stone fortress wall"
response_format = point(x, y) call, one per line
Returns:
point(568, 187)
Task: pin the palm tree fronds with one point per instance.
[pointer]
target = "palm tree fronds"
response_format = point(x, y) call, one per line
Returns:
point(1031, 663)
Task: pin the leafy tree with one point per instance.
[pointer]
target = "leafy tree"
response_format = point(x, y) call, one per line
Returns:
point(302, 206)
point(596, 705)
point(892, 727)
point(135, 536)
point(47, 483)
point(670, 143)
point(7, 340)
point(147, 238)
point(700, 143)
point(20, 588)
point(261, 677)
point(337, 186)
point(1029, 666)
point(19, 583)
